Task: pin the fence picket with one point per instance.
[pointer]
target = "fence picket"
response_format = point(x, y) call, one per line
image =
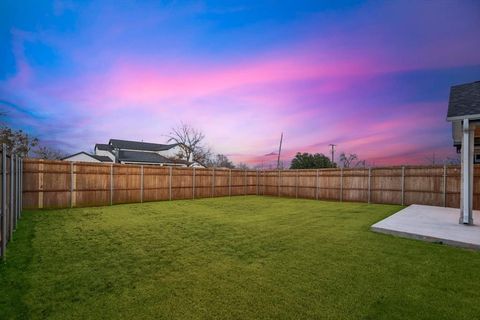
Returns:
point(4, 201)
point(369, 185)
point(12, 192)
point(229, 182)
point(193, 183)
point(444, 185)
point(403, 185)
point(11, 196)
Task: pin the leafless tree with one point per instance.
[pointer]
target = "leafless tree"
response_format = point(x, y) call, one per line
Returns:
point(361, 164)
point(242, 166)
point(351, 161)
point(220, 161)
point(48, 153)
point(453, 161)
point(347, 160)
point(17, 141)
point(191, 142)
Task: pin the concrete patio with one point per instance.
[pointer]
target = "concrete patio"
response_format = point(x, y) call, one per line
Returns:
point(433, 224)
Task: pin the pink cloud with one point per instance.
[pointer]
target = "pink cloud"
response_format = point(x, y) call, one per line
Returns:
point(310, 88)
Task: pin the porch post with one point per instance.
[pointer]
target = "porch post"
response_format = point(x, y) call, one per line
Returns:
point(466, 216)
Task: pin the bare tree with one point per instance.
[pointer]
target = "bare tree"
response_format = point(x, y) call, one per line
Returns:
point(17, 141)
point(453, 161)
point(191, 143)
point(48, 153)
point(220, 161)
point(347, 160)
point(202, 155)
point(242, 166)
point(351, 161)
point(361, 164)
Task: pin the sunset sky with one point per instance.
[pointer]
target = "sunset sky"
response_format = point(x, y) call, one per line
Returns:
point(371, 77)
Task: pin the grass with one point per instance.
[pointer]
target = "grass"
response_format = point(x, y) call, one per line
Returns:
point(231, 258)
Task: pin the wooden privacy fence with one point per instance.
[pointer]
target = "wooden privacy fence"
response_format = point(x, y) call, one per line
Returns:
point(11, 196)
point(59, 184)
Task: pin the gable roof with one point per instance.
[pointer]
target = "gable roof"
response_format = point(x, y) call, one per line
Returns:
point(139, 145)
point(94, 156)
point(464, 102)
point(150, 157)
point(103, 146)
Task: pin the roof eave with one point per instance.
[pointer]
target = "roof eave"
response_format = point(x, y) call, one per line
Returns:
point(469, 117)
point(76, 154)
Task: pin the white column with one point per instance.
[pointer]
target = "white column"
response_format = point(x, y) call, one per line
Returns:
point(467, 173)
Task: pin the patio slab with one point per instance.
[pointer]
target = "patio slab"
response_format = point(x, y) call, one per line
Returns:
point(433, 224)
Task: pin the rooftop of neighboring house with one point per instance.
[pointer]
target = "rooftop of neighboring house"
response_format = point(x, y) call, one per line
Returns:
point(134, 152)
point(146, 157)
point(103, 146)
point(464, 102)
point(135, 145)
point(94, 156)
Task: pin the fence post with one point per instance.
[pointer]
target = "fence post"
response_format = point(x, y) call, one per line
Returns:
point(15, 193)
point(296, 184)
point(4, 200)
point(40, 184)
point(12, 191)
point(230, 183)
point(141, 183)
point(71, 184)
point(21, 188)
point(444, 185)
point(264, 181)
point(15, 183)
point(403, 185)
point(193, 184)
point(18, 188)
point(213, 182)
point(257, 183)
point(341, 184)
point(369, 184)
point(245, 183)
point(316, 186)
point(170, 183)
point(111, 184)
point(278, 184)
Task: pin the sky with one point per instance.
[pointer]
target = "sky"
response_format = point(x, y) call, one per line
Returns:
point(371, 77)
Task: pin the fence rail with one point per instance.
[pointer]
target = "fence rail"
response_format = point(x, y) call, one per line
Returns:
point(59, 184)
point(11, 196)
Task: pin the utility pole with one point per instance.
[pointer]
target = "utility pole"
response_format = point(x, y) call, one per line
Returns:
point(332, 146)
point(279, 151)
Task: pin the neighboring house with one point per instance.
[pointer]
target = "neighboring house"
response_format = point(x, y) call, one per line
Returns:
point(464, 102)
point(133, 152)
point(86, 157)
point(464, 113)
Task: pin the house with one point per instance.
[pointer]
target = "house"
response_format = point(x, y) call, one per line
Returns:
point(87, 157)
point(132, 152)
point(462, 101)
point(464, 113)
point(435, 223)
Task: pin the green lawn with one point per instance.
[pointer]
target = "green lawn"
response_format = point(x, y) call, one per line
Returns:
point(231, 258)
